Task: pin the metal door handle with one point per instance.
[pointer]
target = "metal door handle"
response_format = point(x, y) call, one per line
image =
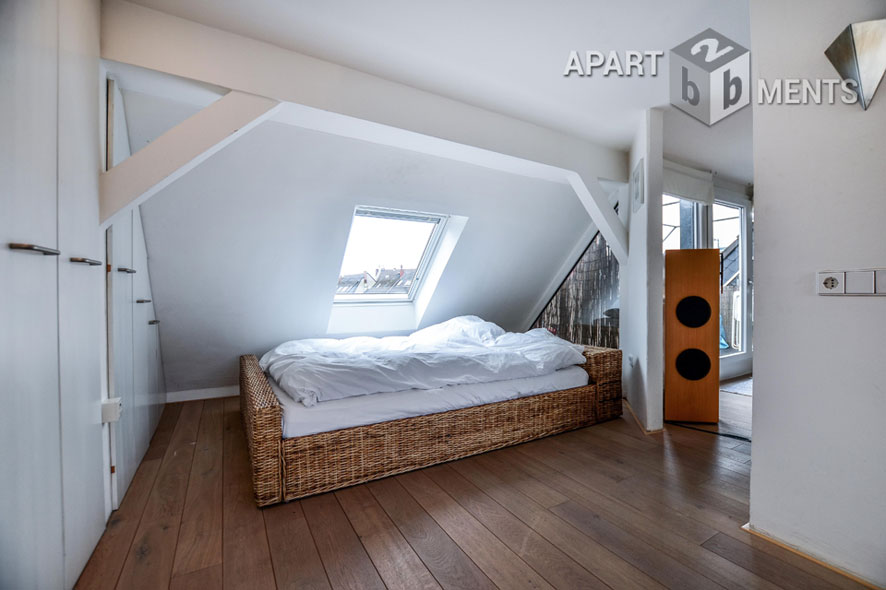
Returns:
point(130, 271)
point(142, 300)
point(35, 248)
point(89, 261)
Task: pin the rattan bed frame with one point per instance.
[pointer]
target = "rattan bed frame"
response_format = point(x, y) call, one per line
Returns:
point(287, 469)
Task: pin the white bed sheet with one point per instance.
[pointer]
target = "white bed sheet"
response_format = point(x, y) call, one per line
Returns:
point(462, 350)
point(299, 420)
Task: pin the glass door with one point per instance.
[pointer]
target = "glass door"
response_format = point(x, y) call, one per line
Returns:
point(682, 224)
point(726, 226)
point(731, 235)
point(726, 235)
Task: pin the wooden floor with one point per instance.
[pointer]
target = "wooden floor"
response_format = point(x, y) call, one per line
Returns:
point(735, 417)
point(603, 507)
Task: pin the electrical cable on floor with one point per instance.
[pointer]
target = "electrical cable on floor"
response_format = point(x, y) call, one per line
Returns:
point(725, 434)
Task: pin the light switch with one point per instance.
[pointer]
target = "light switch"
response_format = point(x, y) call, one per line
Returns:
point(831, 283)
point(881, 282)
point(860, 282)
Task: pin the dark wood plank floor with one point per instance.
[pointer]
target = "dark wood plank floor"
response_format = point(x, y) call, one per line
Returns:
point(735, 416)
point(602, 507)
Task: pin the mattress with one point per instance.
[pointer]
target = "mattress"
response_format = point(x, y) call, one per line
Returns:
point(299, 420)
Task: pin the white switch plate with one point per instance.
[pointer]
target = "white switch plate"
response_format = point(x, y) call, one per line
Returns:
point(859, 282)
point(111, 409)
point(831, 283)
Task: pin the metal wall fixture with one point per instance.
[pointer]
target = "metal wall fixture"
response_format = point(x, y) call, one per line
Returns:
point(859, 54)
point(130, 271)
point(35, 248)
point(87, 261)
point(142, 300)
point(153, 322)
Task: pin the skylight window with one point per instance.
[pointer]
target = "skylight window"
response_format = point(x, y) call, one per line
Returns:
point(387, 255)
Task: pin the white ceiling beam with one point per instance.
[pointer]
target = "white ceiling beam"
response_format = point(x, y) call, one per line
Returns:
point(180, 150)
point(596, 200)
point(147, 38)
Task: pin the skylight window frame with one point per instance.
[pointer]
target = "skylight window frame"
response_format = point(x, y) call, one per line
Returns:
point(427, 257)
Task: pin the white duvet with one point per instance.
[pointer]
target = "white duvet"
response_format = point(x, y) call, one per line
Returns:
point(460, 351)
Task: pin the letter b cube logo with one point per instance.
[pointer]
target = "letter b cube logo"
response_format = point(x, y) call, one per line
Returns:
point(710, 76)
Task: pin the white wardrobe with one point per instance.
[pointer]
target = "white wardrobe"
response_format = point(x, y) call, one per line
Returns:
point(54, 449)
point(135, 367)
point(52, 504)
point(136, 374)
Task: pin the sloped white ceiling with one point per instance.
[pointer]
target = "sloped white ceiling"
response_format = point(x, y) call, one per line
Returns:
point(148, 117)
point(509, 57)
point(155, 102)
point(245, 250)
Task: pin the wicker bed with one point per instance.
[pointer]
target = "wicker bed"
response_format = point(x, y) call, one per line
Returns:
point(287, 469)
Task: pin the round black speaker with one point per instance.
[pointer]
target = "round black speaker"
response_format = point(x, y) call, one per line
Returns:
point(693, 311)
point(693, 364)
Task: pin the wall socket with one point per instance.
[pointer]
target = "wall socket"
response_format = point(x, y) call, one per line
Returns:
point(831, 283)
point(851, 282)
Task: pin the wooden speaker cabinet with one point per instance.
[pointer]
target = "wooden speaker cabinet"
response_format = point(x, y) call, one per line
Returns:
point(692, 335)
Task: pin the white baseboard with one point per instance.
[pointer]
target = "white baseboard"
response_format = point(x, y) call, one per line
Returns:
point(209, 393)
point(627, 405)
point(794, 549)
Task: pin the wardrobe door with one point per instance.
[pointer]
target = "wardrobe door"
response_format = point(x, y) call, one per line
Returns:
point(125, 455)
point(144, 334)
point(81, 282)
point(31, 554)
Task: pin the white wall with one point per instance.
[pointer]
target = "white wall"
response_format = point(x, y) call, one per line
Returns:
point(819, 476)
point(726, 148)
point(119, 128)
point(642, 289)
point(245, 250)
point(148, 116)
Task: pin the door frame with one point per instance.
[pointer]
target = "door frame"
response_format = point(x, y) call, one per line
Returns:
point(111, 456)
point(740, 363)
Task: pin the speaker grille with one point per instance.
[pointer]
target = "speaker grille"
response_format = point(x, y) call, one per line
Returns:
point(693, 311)
point(693, 364)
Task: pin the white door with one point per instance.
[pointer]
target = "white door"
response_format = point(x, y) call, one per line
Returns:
point(81, 284)
point(31, 552)
point(134, 351)
point(145, 341)
point(124, 452)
